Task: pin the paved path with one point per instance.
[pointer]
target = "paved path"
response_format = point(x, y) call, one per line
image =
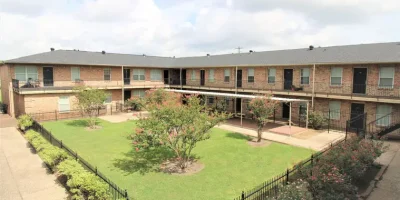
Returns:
point(23, 175)
point(317, 142)
point(389, 187)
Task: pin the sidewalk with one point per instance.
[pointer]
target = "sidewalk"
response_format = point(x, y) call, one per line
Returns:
point(23, 175)
point(317, 142)
point(389, 187)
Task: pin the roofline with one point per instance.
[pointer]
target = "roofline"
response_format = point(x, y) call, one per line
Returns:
point(214, 66)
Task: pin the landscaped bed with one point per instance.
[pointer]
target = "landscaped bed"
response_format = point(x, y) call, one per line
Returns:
point(230, 163)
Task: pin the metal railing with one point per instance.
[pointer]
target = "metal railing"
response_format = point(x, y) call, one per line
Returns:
point(115, 191)
point(384, 124)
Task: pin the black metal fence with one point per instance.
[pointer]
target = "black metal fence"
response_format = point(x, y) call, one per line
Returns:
point(115, 191)
point(272, 187)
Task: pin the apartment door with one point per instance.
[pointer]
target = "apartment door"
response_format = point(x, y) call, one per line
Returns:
point(356, 120)
point(359, 80)
point(238, 105)
point(183, 76)
point(166, 77)
point(288, 79)
point(48, 76)
point(127, 76)
point(202, 77)
point(285, 110)
point(239, 78)
point(127, 94)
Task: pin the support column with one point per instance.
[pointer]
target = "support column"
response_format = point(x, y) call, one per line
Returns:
point(180, 77)
point(290, 118)
point(307, 115)
point(123, 84)
point(313, 88)
point(241, 112)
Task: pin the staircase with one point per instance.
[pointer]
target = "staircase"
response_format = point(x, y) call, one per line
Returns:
point(384, 125)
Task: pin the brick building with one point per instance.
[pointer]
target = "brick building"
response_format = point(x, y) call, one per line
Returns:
point(341, 80)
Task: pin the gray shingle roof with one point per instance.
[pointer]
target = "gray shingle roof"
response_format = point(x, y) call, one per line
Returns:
point(362, 53)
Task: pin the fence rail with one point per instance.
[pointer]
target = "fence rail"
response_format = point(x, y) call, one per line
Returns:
point(115, 191)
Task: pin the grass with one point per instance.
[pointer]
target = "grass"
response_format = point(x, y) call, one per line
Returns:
point(231, 165)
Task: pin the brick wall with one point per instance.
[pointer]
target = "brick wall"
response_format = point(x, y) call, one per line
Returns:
point(147, 82)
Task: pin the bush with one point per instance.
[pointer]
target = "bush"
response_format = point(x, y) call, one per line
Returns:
point(316, 120)
point(24, 122)
point(52, 156)
point(135, 103)
point(82, 184)
point(297, 190)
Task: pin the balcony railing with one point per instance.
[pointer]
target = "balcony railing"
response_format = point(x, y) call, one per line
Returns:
point(45, 84)
point(320, 87)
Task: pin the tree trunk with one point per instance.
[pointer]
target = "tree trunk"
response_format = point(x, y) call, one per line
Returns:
point(259, 133)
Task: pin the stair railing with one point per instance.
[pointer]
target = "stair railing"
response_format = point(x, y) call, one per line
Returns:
point(377, 127)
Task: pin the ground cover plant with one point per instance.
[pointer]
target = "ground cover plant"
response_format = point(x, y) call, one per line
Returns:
point(230, 164)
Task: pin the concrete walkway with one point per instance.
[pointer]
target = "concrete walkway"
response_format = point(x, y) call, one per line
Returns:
point(389, 187)
point(23, 175)
point(317, 142)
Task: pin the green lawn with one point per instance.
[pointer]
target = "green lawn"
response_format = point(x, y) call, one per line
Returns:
point(231, 165)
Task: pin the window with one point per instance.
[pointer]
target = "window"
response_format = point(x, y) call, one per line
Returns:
point(193, 75)
point(139, 93)
point(138, 75)
point(227, 75)
point(336, 75)
point(107, 74)
point(250, 75)
point(26, 73)
point(63, 104)
point(382, 115)
point(271, 75)
point(108, 99)
point(211, 75)
point(227, 100)
point(155, 75)
point(211, 99)
point(334, 109)
point(305, 76)
point(75, 74)
point(386, 76)
point(303, 109)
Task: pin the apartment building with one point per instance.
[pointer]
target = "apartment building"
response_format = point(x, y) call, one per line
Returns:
point(342, 80)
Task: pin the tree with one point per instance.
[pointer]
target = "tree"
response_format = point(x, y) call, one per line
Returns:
point(90, 100)
point(262, 108)
point(174, 125)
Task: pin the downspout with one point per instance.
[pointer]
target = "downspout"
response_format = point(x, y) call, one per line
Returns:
point(313, 89)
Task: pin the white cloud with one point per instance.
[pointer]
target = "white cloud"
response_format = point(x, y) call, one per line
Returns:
point(196, 27)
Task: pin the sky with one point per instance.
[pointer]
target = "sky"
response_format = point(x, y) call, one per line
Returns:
point(192, 27)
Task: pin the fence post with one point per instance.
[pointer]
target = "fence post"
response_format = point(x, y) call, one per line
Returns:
point(329, 119)
point(312, 159)
point(50, 137)
point(61, 144)
point(287, 176)
point(126, 194)
point(242, 195)
point(55, 113)
point(96, 170)
point(274, 115)
point(76, 155)
point(345, 137)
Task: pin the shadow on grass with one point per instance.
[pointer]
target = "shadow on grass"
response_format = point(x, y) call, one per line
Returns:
point(78, 123)
point(238, 136)
point(143, 161)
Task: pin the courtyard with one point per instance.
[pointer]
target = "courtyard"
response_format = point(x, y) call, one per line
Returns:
point(228, 163)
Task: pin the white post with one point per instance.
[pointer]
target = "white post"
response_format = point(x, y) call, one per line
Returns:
point(313, 88)
point(290, 118)
point(180, 77)
point(307, 115)
point(123, 84)
point(241, 112)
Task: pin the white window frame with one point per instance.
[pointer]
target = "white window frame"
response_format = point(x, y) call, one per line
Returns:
point(384, 121)
point(79, 74)
point(227, 75)
point(380, 76)
point(341, 76)
point(139, 93)
point(109, 97)
point(140, 73)
point(193, 75)
point(61, 103)
point(104, 73)
point(211, 75)
point(153, 74)
point(302, 76)
point(334, 113)
point(26, 74)
point(250, 78)
point(269, 75)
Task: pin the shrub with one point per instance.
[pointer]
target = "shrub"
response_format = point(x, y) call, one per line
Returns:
point(297, 190)
point(135, 103)
point(24, 122)
point(37, 141)
point(316, 120)
point(52, 156)
point(82, 184)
